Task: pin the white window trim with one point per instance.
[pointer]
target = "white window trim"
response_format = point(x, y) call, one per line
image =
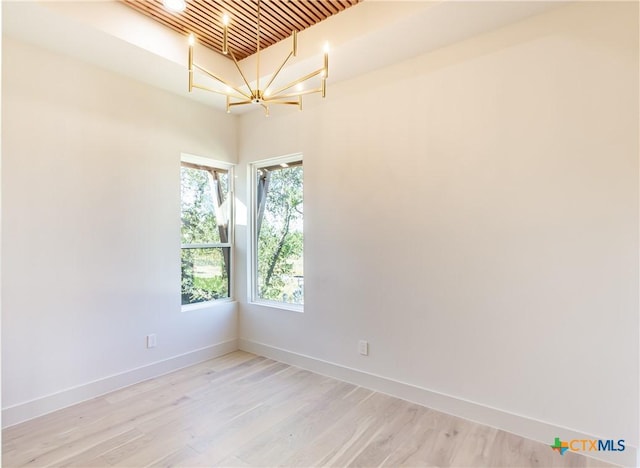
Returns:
point(206, 304)
point(252, 248)
point(229, 167)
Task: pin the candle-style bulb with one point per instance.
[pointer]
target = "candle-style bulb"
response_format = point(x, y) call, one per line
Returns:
point(225, 34)
point(294, 50)
point(326, 61)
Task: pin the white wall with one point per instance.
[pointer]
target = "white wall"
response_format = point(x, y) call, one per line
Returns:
point(473, 213)
point(91, 230)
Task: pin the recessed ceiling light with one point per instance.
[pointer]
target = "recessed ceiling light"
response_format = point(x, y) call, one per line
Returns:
point(175, 5)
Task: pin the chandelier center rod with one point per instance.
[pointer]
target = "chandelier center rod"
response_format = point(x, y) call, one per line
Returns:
point(258, 49)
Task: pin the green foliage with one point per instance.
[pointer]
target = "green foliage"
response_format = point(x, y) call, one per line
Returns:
point(204, 273)
point(204, 276)
point(280, 241)
point(197, 208)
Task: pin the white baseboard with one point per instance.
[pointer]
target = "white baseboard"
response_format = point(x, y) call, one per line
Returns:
point(40, 406)
point(499, 419)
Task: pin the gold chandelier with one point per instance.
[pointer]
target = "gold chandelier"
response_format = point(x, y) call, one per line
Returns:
point(263, 96)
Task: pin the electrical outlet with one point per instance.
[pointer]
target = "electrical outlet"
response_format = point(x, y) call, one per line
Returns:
point(151, 341)
point(363, 347)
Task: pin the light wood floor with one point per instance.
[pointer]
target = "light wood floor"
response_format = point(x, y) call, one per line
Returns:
point(245, 410)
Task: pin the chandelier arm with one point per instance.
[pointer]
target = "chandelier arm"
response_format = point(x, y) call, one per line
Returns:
point(299, 80)
point(240, 103)
point(217, 91)
point(278, 71)
point(296, 94)
point(217, 78)
point(244, 78)
point(289, 103)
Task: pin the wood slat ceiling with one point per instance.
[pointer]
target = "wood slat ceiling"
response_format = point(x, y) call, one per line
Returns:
point(278, 18)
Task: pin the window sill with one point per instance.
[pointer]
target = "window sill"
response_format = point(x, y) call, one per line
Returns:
point(279, 305)
point(206, 305)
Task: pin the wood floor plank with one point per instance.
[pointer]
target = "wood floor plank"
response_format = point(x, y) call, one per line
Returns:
point(221, 403)
point(148, 386)
point(365, 424)
point(219, 396)
point(246, 410)
point(148, 450)
point(475, 447)
point(87, 456)
point(337, 434)
point(221, 442)
point(175, 459)
point(59, 449)
point(220, 416)
point(56, 421)
point(296, 431)
point(388, 438)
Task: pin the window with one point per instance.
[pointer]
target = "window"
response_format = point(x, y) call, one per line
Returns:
point(277, 274)
point(205, 204)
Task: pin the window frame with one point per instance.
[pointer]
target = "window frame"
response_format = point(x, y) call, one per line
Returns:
point(252, 238)
point(229, 167)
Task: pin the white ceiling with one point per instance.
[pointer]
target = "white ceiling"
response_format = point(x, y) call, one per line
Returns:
point(367, 36)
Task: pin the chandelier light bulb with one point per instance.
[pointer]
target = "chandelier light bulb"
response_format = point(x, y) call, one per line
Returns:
point(192, 39)
point(225, 34)
point(325, 71)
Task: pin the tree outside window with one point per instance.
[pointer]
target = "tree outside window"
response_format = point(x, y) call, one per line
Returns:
point(279, 269)
point(206, 250)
